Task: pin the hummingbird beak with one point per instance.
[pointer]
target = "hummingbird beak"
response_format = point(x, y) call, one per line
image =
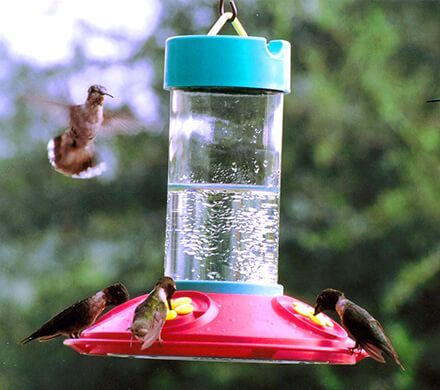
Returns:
point(169, 303)
point(433, 100)
point(317, 310)
point(105, 93)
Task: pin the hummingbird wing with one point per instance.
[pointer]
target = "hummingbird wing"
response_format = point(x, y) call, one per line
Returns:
point(383, 342)
point(70, 321)
point(58, 113)
point(369, 333)
point(115, 123)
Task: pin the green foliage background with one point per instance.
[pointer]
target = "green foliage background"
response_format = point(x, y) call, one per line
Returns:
point(360, 199)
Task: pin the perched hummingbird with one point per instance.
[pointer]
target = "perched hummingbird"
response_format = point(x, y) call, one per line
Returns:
point(73, 152)
point(74, 319)
point(366, 331)
point(149, 317)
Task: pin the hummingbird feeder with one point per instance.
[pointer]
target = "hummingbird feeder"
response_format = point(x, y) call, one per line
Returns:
point(222, 224)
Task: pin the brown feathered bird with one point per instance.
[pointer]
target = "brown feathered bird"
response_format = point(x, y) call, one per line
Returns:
point(74, 319)
point(365, 330)
point(73, 152)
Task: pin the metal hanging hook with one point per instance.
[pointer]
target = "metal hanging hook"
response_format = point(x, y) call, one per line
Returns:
point(221, 9)
point(228, 17)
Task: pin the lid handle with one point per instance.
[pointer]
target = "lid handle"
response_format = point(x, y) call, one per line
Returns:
point(224, 17)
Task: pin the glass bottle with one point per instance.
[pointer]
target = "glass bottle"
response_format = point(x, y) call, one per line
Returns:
point(224, 171)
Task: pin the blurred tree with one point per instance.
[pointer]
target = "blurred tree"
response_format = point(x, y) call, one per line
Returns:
point(360, 208)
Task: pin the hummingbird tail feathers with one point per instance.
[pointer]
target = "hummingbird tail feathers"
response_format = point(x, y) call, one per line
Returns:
point(51, 146)
point(71, 160)
point(148, 338)
point(376, 353)
point(388, 348)
point(39, 337)
point(27, 340)
point(393, 354)
point(92, 171)
point(397, 360)
point(148, 342)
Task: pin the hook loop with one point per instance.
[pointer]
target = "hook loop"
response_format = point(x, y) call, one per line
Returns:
point(221, 9)
point(225, 17)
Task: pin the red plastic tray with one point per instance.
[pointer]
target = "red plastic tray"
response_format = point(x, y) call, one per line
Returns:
point(225, 327)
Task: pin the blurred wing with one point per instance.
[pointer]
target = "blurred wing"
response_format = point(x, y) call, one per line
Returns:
point(58, 113)
point(120, 123)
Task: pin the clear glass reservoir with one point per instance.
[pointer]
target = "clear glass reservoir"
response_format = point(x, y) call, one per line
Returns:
point(224, 185)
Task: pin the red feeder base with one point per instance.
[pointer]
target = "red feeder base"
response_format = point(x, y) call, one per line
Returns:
point(228, 327)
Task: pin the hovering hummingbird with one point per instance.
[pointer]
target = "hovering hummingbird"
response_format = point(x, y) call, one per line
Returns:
point(366, 331)
point(149, 317)
point(73, 152)
point(74, 319)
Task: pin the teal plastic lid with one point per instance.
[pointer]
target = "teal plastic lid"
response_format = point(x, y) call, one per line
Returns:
point(223, 61)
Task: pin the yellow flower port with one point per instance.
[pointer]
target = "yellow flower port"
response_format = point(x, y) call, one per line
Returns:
point(180, 306)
